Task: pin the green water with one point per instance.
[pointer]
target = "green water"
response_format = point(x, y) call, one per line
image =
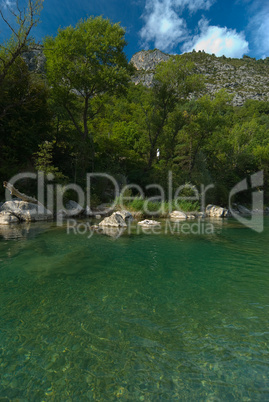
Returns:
point(142, 317)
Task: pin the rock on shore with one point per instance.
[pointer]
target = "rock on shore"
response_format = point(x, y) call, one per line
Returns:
point(214, 211)
point(117, 219)
point(22, 211)
point(177, 216)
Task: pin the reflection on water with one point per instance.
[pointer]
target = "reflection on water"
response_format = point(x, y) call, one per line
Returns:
point(140, 317)
point(14, 231)
point(23, 230)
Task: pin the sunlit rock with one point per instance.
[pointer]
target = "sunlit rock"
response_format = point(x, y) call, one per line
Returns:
point(114, 220)
point(177, 216)
point(215, 211)
point(6, 218)
point(149, 223)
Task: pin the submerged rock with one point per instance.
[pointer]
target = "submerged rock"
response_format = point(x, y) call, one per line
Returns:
point(114, 232)
point(26, 211)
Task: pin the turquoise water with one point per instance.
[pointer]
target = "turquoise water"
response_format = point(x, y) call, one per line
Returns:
point(141, 317)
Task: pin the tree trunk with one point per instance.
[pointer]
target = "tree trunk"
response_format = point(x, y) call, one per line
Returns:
point(17, 193)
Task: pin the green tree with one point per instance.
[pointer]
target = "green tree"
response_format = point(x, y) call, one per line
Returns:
point(84, 65)
point(25, 120)
point(44, 160)
point(20, 21)
point(174, 82)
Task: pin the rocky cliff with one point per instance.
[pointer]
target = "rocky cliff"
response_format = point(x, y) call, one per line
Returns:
point(35, 59)
point(244, 78)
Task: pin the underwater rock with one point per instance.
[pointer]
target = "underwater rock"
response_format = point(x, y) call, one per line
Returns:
point(114, 232)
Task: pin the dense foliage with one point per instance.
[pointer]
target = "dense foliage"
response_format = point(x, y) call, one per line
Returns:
point(86, 115)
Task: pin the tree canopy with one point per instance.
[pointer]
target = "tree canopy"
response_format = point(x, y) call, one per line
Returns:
point(84, 65)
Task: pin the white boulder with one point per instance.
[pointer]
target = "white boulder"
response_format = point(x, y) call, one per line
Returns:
point(178, 216)
point(114, 220)
point(149, 223)
point(6, 218)
point(214, 211)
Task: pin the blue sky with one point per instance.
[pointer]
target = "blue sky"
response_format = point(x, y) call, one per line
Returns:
point(232, 28)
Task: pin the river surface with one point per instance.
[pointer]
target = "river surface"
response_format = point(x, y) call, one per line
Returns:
point(141, 317)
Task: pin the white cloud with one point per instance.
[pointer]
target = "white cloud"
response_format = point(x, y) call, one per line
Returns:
point(8, 3)
point(194, 5)
point(163, 24)
point(217, 40)
point(259, 28)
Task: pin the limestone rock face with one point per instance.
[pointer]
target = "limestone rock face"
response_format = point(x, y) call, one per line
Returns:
point(35, 59)
point(177, 216)
point(147, 60)
point(244, 78)
point(114, 220)
point(214, 211)
point(26, 211)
